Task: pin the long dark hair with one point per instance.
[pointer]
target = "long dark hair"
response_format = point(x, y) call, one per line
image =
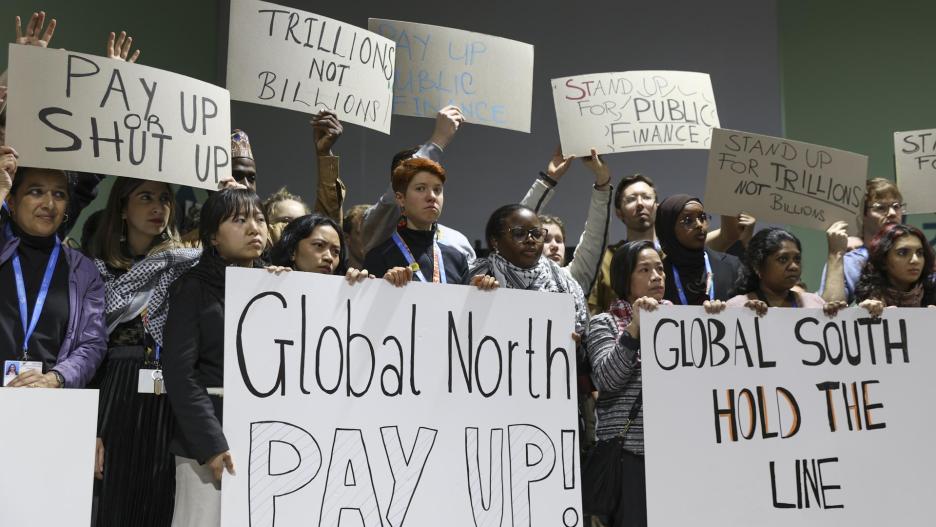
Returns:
point(874, 279)
point(763, 244)
point(623, 264)
point(107, 241)
point(222, 205)
point(300, 229)
point(497, 221)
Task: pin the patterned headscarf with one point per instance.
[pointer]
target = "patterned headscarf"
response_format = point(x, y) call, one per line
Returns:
point(240, 145)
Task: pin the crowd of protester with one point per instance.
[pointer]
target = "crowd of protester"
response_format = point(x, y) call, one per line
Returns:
point(144, 290)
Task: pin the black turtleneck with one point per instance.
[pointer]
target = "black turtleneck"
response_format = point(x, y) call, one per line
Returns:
point(387, 255)
point(46, 341)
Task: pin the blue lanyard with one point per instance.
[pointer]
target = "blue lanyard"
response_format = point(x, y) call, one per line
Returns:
point(30, 326)
point(437, 259)
point(709, 281)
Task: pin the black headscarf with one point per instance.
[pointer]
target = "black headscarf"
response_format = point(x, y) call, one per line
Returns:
point(689, 262)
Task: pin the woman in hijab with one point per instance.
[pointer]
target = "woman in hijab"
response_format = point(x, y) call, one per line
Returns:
point(694, 273)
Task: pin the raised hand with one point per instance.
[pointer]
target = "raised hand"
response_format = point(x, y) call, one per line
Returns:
point(327, 129)
point(118, 47)
point(746, 224)
point(558, 164)
point(7, 169)
point(34, 34)
point(448, 120)
point(837, 237)
point(598, 168)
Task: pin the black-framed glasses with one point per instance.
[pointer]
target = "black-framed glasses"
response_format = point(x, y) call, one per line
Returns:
point(520, 234)
point(690, 221)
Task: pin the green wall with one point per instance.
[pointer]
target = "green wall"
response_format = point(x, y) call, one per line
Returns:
point(852, 74)
point(171, 34)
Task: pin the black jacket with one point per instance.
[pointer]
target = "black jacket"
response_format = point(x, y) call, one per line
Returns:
point(725, 268)
point(193, 359)
point(387, 255)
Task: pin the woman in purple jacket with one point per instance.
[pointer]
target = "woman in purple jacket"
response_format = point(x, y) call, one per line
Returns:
point(51, 297)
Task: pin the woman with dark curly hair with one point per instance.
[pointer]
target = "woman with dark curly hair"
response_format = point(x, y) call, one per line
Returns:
point(315, 244)
point(899, 271)
point(769, 272)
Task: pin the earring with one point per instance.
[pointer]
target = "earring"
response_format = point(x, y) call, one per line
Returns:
point(65, 219)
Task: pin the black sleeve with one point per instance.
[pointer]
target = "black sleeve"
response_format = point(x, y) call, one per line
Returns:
point(375, 262)
point(83, 191)
point(191, 405)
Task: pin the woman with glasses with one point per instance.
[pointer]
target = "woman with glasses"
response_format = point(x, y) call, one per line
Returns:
point(515, 236)
point(883, 206)
point(413, 252)
point(899, 272)
point(694, 273)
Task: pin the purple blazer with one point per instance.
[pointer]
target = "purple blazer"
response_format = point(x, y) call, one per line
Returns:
point(86, 336)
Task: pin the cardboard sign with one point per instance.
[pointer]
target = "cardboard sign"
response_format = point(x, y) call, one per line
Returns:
point(783, 181)
point(374, 405)
point(72, 111)
point(915, 162)
point(293, 59)
point(634, 110)
point(48, 456)
point(789, 419)
point(489, 78)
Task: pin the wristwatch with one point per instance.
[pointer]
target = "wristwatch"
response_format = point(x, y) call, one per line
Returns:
point(61, 379)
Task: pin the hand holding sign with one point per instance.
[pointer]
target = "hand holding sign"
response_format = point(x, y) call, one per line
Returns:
point(34, 35)
point(327, 131)
point(7, 168)
point(447, 122)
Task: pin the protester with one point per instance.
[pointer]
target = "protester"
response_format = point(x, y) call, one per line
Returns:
point(515, 234)
point(694, 273)
point(899, 270)
point(554, 242)
point(587, 257)
point(52, 296)
point(413, 252)
point(770, 272)
point(134, 428)
point(614, 481)
point(883, 205)
point(635, 204)
point(281, 208)
point(233, 233)
point(315, 244)
point(382, 218)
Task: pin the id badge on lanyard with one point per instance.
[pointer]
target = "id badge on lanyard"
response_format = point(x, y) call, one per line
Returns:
point(150, 380)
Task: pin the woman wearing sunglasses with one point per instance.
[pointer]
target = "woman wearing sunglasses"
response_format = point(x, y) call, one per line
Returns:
point(515, 236)
point(694, 273)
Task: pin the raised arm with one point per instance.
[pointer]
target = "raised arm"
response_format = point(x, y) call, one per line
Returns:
point(330, 194)
point(587, 257)
point(832, 288)
point(381, 218)
point(543, 186)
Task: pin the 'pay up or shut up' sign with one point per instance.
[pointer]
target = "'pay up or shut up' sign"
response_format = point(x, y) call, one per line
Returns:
point(72, 111)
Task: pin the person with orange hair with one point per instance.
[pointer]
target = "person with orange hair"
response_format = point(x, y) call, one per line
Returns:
point(412, 251)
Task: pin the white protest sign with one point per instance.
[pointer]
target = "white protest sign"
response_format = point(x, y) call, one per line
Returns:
point(783, 181)
point(47, 441)
point(790, 419)
point(915, 162)
point(373, 405)
point(489, 78)
point(634, 110)
point(73, 111)
point(293, 59)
